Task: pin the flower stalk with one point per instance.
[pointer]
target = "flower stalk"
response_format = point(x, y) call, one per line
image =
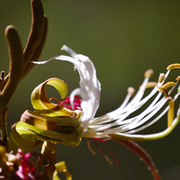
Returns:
point(20, 59)
point(48, 151)
point(3, 128)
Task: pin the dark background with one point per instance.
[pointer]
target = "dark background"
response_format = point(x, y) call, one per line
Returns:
point(123, 39)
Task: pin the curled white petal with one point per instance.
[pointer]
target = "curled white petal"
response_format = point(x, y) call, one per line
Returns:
point(90, 87)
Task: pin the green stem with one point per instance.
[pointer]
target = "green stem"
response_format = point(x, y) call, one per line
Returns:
point(48, 151)
point(3, 128)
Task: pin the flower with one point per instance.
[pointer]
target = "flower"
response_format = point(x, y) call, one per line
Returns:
point(49, 122)
point(68, 124)
point(90, 87)
point(117, 123)
point(73, 118)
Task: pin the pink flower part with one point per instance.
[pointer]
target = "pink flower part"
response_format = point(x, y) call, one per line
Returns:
point(26, 171)
point(67, 104)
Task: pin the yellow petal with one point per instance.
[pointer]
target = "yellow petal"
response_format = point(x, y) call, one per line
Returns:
point(41, 102)
point(61, 167)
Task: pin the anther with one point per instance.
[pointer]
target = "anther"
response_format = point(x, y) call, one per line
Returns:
point(164, 88)
point(173, 66)
point(178, 78)
point(148, 73)
point(151, 84)
point(166, 85)
point(131, 91)
point(161, 77)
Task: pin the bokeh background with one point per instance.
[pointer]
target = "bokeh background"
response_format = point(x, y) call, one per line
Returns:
point(123, 38)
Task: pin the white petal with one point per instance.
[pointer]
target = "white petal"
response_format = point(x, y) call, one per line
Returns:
point(90, 87)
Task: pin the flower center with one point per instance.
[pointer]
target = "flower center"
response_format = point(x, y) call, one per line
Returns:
point(66, 103)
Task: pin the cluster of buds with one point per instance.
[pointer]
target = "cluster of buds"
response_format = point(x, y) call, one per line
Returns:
point(29, 166)
point(20, 166)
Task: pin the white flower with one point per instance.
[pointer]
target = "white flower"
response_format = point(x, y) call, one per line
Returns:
point(90, 87)
point(118, 123)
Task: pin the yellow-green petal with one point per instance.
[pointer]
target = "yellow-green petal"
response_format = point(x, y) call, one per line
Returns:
point(29, 137)
point(41, 102)
point(61, 167)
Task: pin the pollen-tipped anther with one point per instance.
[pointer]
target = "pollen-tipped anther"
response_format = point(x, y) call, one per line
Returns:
point(173, 66)
point(178, 78)
point(166, 85)
point(161, 77)
point(151, 84)
point(148, 73)
point(131, 91)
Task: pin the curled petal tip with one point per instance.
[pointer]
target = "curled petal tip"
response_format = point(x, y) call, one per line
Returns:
point(63, 47)
point(69, 50)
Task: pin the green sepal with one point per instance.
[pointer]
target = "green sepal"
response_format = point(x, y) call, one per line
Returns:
point(26, 143)
point(29, 137)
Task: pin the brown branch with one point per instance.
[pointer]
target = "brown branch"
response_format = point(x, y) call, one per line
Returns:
point(21, 65)
point(20, 60)
point(37, 52)
point(3, 128)
point(36, 32)
point(15, 67)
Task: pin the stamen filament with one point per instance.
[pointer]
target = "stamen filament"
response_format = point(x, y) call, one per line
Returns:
point(102, 153)
point(170, 113)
